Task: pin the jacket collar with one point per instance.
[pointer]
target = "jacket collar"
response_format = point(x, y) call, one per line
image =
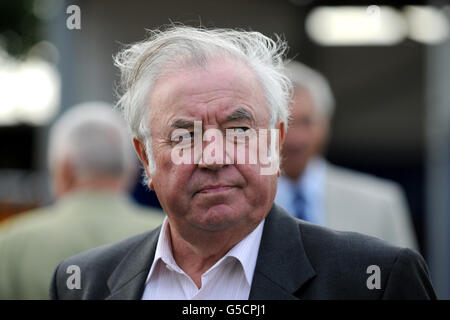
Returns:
point(282, 266)
point(127, 282)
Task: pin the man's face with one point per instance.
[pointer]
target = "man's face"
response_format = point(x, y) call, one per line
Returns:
point(209, 197)
point(306, 134)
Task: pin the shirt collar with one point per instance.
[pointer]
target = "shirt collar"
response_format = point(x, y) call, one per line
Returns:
point(245, 251)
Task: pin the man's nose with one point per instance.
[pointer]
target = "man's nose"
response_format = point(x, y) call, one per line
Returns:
point(214, 153)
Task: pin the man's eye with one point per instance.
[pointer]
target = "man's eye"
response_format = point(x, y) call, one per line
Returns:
point(183, 138)
point(240, 129)
point(187, 135)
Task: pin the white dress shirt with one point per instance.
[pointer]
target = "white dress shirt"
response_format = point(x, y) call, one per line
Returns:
point(229, 278)
point(312, 183)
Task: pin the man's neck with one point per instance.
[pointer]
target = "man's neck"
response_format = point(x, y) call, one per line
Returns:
point(198, 254)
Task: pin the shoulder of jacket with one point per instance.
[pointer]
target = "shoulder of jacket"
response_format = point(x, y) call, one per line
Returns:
point(104, 256)
point(323, 244)
point(361, 182)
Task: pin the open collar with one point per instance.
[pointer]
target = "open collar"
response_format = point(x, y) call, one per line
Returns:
point(282, 266)
point(127, 281)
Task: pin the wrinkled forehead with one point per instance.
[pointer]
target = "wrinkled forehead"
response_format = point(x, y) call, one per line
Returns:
point(222, 67)
point(226, 82)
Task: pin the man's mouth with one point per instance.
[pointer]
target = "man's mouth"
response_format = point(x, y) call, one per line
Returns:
point(215, 188)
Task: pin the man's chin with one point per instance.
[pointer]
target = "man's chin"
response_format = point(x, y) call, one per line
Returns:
point(218, 218)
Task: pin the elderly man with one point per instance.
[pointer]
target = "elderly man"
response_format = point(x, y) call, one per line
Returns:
point(223, 237)
point(314, 190)
point(91, 160)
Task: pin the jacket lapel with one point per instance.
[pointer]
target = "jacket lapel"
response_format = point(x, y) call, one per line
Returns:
point(282, 266)
point(127, 282)
point(281, 269)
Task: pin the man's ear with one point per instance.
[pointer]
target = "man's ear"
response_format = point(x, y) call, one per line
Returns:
point(281, 127)
point(281, 137)
point(139, 146)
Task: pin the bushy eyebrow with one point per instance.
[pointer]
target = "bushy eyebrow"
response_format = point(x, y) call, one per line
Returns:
point(182, 124)
point(240, 114)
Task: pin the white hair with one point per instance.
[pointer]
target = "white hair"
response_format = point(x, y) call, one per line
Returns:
point(95, 139)
point(181, 46)
point(315, 83)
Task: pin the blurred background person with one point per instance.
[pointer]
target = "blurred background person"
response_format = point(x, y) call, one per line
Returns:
point(312, 189)
point(92, 165)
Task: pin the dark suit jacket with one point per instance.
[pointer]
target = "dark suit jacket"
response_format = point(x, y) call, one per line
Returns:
point(296, 260)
